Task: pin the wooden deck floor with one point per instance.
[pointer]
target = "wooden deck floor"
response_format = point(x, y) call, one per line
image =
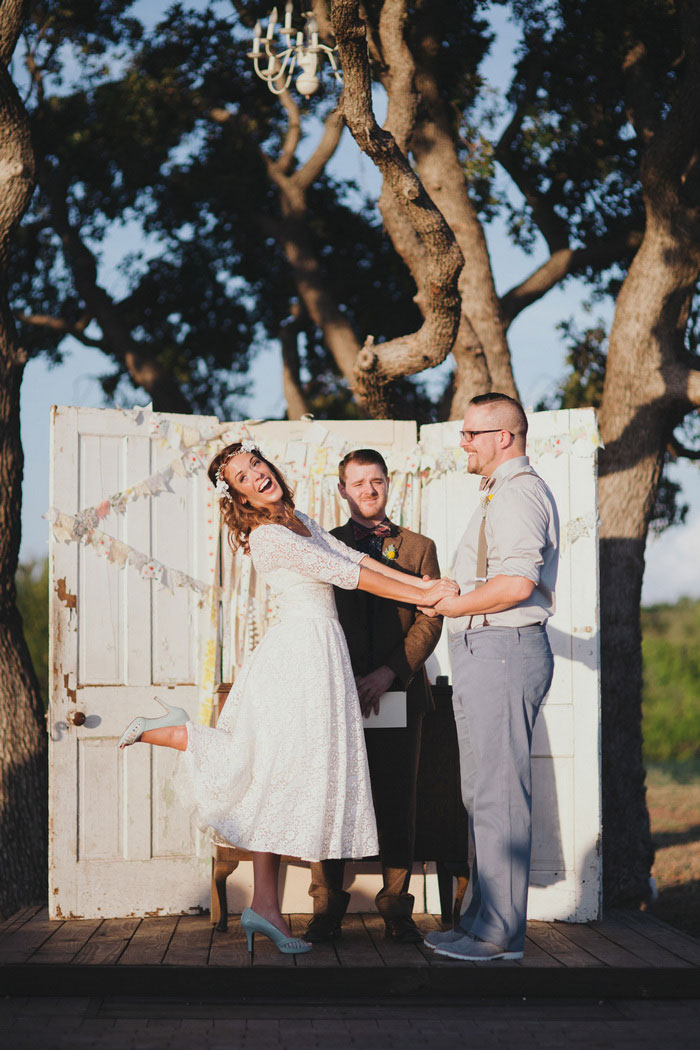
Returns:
point(628, 954)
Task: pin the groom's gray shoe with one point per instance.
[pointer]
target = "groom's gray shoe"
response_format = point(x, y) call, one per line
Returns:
point(436, 938)
point(470, 949)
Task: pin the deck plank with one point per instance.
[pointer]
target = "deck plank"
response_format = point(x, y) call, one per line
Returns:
point(676, 941)
point(230, 948)
point(150, 941)
point(108, 942)
point(565, 951)
point(321, 955)
point(354, 947)
point(391, 953)
point(649, 952)
point(190, 942)
point(67, 941)
point(592, 940)
point(21, 943)
point(427, 924)
point(18, 919)
point(536, 956)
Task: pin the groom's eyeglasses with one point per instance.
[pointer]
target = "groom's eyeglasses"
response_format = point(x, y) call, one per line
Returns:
point(469, 435)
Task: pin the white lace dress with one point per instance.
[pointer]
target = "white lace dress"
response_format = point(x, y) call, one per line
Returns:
point(285, 770)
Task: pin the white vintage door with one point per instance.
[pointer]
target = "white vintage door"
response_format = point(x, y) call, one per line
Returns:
point(120, 842)
point(565, 878)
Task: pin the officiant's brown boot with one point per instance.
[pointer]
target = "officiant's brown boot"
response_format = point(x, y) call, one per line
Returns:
point(326, 921)
point(396, 912)
point(323, 927)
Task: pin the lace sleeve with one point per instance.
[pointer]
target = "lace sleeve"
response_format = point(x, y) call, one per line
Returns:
point(275, 547)
point(330, 541)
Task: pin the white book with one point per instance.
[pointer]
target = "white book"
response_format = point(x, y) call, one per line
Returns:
point(392, 712)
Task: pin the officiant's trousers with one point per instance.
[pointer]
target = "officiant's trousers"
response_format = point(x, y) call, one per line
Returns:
point(500, 676)
point(393, 756)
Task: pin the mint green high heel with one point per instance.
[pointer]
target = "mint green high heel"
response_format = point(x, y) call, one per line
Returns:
point(252, 923)
point(176, 716)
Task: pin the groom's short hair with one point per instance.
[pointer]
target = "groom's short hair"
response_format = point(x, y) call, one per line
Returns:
point(364, 456)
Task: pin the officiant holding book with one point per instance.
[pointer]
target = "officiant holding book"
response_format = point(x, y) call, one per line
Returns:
point(389, 643)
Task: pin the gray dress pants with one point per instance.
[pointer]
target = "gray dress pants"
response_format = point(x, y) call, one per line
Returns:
point(500, 676)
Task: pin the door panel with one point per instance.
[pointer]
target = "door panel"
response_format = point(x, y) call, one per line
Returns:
point(118, 639)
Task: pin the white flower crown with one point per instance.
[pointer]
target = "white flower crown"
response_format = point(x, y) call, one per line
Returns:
point(222, 487)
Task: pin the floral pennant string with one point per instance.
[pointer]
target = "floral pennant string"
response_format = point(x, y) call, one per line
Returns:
point(69, 528)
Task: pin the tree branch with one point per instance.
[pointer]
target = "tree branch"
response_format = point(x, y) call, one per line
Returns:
point(12, 16)
point(145, 370)
point(672, 154)
point(553, 228)
point(321, 14)
point(561, 264)
point(332, 132)
point(291, 381)
point(397, 74)
point(293, 136)
point(292, 232)
point(63, 327)
point(481, 351)
point(432, 342)
point(640, 107)
point(692, 386)
point(681, 452)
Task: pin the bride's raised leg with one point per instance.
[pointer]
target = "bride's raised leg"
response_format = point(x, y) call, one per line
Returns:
point(158, 731)
point(173, 736)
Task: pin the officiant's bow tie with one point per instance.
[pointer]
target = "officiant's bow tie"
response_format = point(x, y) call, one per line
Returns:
point(363, 532)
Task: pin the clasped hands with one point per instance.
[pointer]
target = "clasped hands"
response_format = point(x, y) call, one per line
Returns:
point(438, 595)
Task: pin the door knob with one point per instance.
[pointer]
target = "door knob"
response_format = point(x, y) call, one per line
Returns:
point(75, 718)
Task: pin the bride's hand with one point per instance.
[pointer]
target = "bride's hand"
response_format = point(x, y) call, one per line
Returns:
point(436, 590)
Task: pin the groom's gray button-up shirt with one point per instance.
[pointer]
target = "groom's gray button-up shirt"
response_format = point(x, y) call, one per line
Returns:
point(522, 537)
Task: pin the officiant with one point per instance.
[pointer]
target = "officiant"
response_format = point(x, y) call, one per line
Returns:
point(389, 643)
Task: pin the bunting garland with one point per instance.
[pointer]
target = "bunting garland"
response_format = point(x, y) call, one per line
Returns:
point(69, 528)
point(310, 465)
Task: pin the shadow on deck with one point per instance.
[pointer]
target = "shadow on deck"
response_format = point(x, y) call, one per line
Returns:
point(628, 955)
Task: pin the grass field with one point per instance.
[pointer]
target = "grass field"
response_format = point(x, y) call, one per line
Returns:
point(673, 796)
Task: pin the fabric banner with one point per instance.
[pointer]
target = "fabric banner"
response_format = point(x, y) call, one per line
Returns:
point(310, 465)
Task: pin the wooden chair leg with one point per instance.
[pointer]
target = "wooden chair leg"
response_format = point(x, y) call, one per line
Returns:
point(220, 871)
point(444, 877)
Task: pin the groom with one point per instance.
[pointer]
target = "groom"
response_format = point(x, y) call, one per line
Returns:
point(389, 643)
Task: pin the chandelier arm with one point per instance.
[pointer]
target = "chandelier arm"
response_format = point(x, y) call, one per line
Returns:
point(334, 64)
point(280, 58)
point(281, 90)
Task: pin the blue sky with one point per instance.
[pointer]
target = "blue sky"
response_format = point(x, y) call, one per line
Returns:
point(673, 568)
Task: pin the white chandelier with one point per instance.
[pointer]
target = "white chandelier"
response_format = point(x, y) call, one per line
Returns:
point(305, 52)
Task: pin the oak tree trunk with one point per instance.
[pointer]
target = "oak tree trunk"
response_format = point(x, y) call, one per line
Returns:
point(646, 394)
point(23, 743)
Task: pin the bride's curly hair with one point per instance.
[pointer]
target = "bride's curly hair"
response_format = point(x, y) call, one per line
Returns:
point(241, 518)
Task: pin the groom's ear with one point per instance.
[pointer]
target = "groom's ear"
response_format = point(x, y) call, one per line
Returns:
point(341, 490)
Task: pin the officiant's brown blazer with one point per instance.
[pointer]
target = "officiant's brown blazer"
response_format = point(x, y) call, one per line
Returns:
point(380, 631)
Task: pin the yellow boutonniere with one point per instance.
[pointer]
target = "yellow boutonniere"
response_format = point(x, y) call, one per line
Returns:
point(390, 552)
point(485, 498)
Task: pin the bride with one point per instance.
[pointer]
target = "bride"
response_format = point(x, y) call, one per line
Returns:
point(285, 769)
